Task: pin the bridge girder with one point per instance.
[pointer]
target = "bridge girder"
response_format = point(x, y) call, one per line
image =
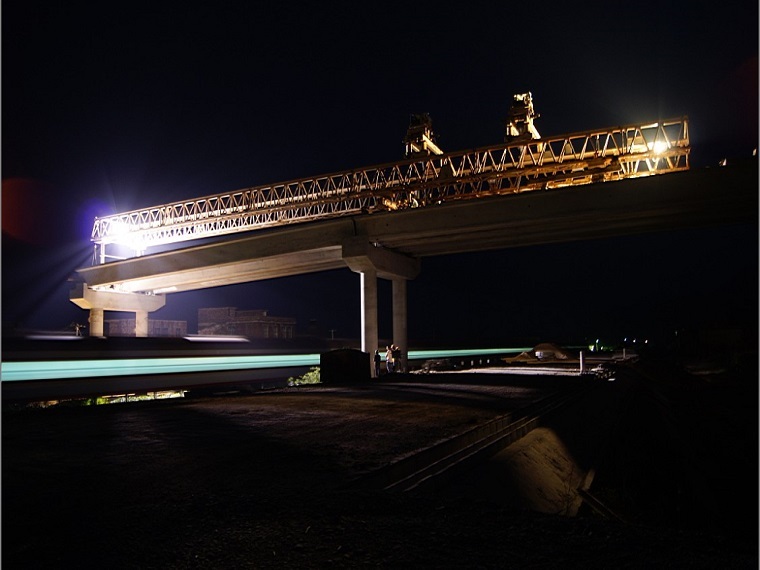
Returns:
point(681, 200)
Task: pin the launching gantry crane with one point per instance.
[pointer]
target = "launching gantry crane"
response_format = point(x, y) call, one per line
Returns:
point(425, 177)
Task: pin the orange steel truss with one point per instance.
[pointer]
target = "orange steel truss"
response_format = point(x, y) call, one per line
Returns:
point(567, 160)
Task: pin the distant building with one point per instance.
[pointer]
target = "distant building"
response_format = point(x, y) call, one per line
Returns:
point(249, 323)
point(156, 328)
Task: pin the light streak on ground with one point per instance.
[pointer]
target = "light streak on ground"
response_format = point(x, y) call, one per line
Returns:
point(527, 370)
point(64, 369)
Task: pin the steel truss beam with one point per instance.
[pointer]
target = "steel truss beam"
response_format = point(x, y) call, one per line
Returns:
point(566, 160)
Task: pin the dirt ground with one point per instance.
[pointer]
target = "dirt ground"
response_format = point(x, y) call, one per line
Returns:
point(268, 481)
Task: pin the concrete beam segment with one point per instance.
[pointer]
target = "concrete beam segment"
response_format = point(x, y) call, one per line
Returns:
point(226, 274)
point(266, 254)
point(691, 199)
point(360, 256)
point(86, 298)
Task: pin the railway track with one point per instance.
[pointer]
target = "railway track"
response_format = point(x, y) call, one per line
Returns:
point(438, 463)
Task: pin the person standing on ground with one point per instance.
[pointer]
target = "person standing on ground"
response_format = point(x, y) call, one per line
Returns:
point(389, 359)
point(377, 363)
point(396, 351)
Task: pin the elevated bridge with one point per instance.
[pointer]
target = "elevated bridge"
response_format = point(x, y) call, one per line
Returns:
point(381, 221)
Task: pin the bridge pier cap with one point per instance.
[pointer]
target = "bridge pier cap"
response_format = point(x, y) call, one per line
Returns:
point(84, 297)
point(361, 256)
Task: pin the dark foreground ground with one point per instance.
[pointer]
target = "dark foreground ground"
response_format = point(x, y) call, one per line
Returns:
point(268, 480)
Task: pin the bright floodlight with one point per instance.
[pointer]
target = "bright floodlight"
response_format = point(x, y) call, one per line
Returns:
point(119, 229)
point(658, 146)
point(121, 234)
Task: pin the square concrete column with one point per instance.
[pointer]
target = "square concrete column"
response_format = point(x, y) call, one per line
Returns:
point(96, 322)
point(141, 323)
point(368, 279)
point(399, 320)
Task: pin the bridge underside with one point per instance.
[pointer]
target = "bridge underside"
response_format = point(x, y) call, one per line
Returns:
point(389, 245)
point(674, 201)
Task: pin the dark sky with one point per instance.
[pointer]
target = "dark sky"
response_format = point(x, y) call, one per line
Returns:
point(108, 107)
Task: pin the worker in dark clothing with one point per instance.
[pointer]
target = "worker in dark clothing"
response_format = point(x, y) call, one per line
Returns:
point(396, 351)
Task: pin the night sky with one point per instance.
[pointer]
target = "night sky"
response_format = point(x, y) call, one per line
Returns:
point(108, 107)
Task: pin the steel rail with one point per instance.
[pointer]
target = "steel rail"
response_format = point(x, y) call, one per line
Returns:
point(451, 456)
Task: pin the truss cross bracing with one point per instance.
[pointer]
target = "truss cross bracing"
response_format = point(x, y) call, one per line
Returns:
point(555, 162)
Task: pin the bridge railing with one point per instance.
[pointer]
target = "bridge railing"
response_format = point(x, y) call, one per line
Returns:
point(555, 162)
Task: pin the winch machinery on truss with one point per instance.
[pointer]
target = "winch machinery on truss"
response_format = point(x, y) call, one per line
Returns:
point(427, 176)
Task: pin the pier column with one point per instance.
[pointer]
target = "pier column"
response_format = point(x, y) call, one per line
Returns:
point(96, 322)
point(399, 320)
point(369, 311)
point(141, 323)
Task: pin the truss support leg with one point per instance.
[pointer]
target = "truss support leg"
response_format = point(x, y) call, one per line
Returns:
point(399, 321)
point(369, 313)
point(96, 322)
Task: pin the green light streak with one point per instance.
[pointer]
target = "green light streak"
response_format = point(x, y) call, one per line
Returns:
point(63, 369)
point(428, 354)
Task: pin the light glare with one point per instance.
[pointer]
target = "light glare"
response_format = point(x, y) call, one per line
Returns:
point(658, 146)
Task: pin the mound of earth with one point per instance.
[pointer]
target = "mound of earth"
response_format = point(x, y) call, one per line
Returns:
point(544, 352)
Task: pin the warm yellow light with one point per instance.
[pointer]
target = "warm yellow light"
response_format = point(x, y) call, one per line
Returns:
point(658, 146)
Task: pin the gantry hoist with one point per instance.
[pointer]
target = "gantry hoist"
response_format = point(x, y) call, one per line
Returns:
point(419, 140)
point(520, 120)
point(425, 177)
